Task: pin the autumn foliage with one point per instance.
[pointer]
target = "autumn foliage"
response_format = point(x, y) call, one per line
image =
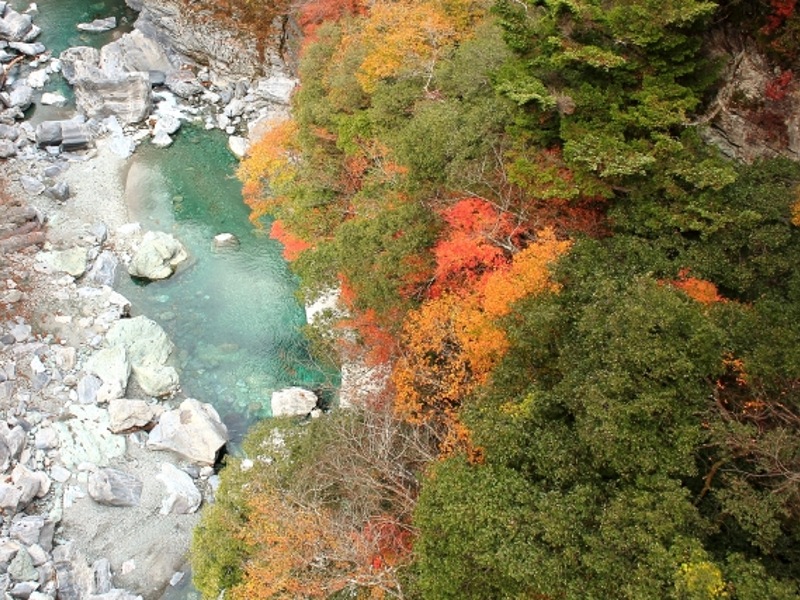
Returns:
point(451, 344)
point(292, 244)
point(700, 290)
point(268, 167)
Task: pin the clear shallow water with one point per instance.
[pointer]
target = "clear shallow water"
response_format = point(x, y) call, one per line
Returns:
point(231, 313)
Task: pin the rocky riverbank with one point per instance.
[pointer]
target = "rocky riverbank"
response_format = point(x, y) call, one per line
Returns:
point(104, 463)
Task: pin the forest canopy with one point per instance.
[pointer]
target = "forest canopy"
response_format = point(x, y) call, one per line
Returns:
point(588, 317)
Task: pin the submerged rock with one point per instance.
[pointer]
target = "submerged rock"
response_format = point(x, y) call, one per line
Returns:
point(99, 25)
point(225, 240)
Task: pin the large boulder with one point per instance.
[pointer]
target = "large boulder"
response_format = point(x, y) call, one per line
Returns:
point(127, 97)
point(293, 401)
point(73, 134)
point(113, 367)
point(148, 349)
point(193, 431)
point(126, 415)
point(158, 256)
point(113, 487)
point(15, 27)
point(78, 62)
point(182, 496)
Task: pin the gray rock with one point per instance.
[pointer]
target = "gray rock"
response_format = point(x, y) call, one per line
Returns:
point(99, 25)
point(165, 123)
point(104, 269)
point(126, 415)
point(27, 529)
point(161, 140)
point(38, 555)
point(37, 80)
point(127, 97)
point(193, 431)
point(74, 61)
point(182, 496)
point(112, 487)
point(58, 191)
point(134, 52)
point(46, 439)
point(100, 232)
point(32, 186)
point(113, 366)
point(28, 49)
point(235, 108)
point(21, 332)
point(293, 401)
point(238, 146)
point(8, 548)
point(7, 149)
point(157, 380)
point(60, 474)
point(51, 99)
point(21, 567)
point(102, 576)
point(85, 437)
point(158, 256)
point(157, 78)
point(23, 589)
point(25, 485)
point(88, 387)
point(48, 133)
point(75, 135)
point(13, 439)
point(72, 261)
point(14, 27)
point(21, 96)
point(184, 84)
point(8, 132)
point(277, 88)
point(148, 349)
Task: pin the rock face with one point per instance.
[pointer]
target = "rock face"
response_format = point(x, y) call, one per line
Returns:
point(193, 431)
point(229, 55)
point(293, 401)
point(742, 122)
point(158, 256)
